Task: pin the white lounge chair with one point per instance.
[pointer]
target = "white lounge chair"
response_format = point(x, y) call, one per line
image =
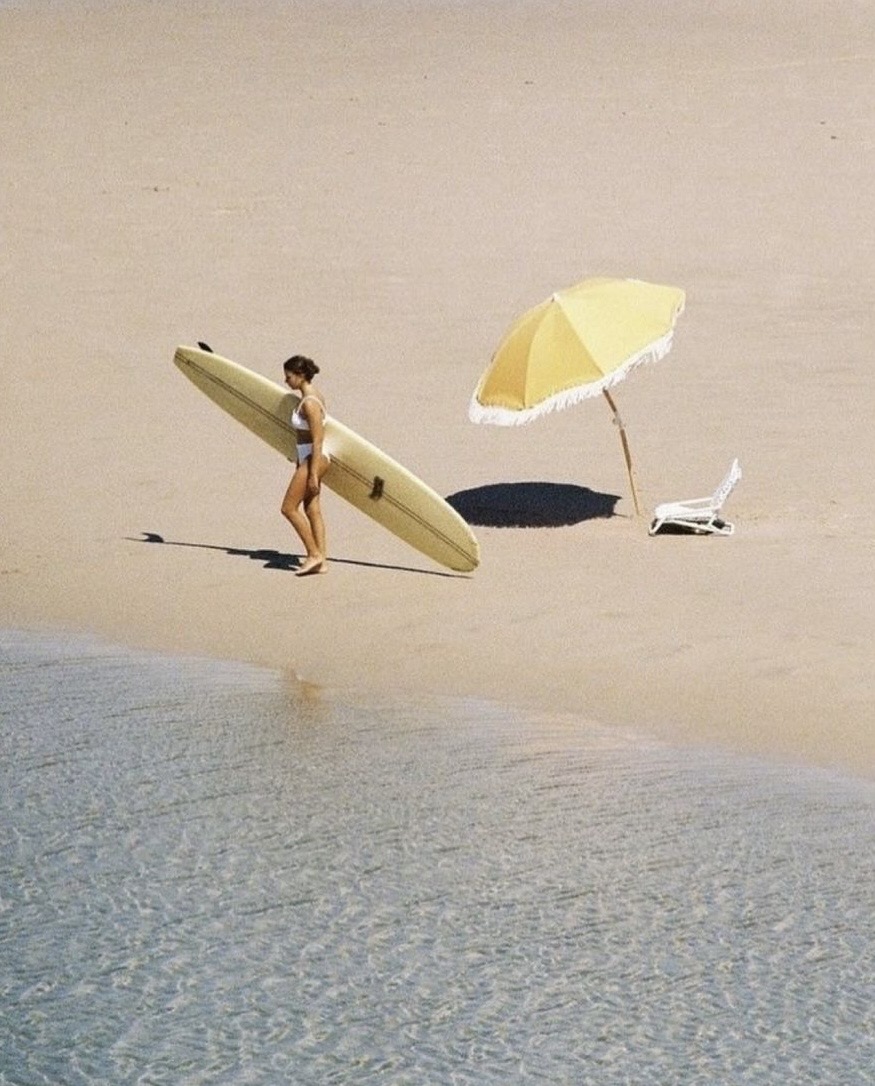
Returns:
point(699, 514)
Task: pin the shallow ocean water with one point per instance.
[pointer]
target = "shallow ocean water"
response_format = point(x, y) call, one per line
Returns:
point(209, 874)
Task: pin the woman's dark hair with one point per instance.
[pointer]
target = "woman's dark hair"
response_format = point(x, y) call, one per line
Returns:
point(301, 365)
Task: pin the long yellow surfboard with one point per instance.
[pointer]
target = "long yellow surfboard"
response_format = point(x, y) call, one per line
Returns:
point(359, 472)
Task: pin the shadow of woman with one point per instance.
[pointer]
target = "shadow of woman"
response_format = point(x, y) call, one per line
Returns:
point(272, 559)
point(531, 505)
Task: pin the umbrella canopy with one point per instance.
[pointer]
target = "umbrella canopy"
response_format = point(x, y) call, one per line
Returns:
point(576, 344)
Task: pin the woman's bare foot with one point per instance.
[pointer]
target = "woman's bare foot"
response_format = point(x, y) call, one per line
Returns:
point(314, 564)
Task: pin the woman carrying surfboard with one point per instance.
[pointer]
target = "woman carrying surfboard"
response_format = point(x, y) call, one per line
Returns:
point(308, 422)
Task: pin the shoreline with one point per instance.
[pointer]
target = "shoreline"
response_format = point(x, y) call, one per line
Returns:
point(537, 720)
point(683, 695)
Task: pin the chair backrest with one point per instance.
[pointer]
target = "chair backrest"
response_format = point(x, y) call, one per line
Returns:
point(728, 485)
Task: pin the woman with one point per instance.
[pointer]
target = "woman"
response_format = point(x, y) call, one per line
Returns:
point(308, 422)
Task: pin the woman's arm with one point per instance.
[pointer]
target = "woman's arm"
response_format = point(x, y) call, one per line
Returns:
point(315, 415)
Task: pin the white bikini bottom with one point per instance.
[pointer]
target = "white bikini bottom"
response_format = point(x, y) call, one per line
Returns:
point(305, 450)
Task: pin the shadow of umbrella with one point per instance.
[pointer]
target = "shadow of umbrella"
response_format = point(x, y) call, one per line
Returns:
point(531, 505)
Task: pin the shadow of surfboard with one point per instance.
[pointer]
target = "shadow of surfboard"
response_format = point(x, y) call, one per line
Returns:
point(272, 559)
point(532, 505)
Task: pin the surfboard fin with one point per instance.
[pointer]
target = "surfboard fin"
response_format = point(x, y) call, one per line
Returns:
point(205, 347)
point(377, 489)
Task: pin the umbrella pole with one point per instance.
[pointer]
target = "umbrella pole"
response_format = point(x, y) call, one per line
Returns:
point(619, 422)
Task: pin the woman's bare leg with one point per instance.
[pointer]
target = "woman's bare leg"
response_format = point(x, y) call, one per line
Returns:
point(291, 510)
point(308, 523)
point(313, 509)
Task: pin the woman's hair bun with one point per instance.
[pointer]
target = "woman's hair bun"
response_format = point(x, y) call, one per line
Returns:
point(302, 365)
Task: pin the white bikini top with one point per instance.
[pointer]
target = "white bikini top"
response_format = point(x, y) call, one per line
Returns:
point(299, 420)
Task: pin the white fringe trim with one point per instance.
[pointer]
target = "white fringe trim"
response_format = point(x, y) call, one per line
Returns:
point(505, 416)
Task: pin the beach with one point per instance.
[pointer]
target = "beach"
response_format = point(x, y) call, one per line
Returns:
point(385, 188)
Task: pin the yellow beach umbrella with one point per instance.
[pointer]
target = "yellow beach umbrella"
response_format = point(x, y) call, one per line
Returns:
point(577, 344)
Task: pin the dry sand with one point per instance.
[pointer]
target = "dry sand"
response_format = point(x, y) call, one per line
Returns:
point(385, 187)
